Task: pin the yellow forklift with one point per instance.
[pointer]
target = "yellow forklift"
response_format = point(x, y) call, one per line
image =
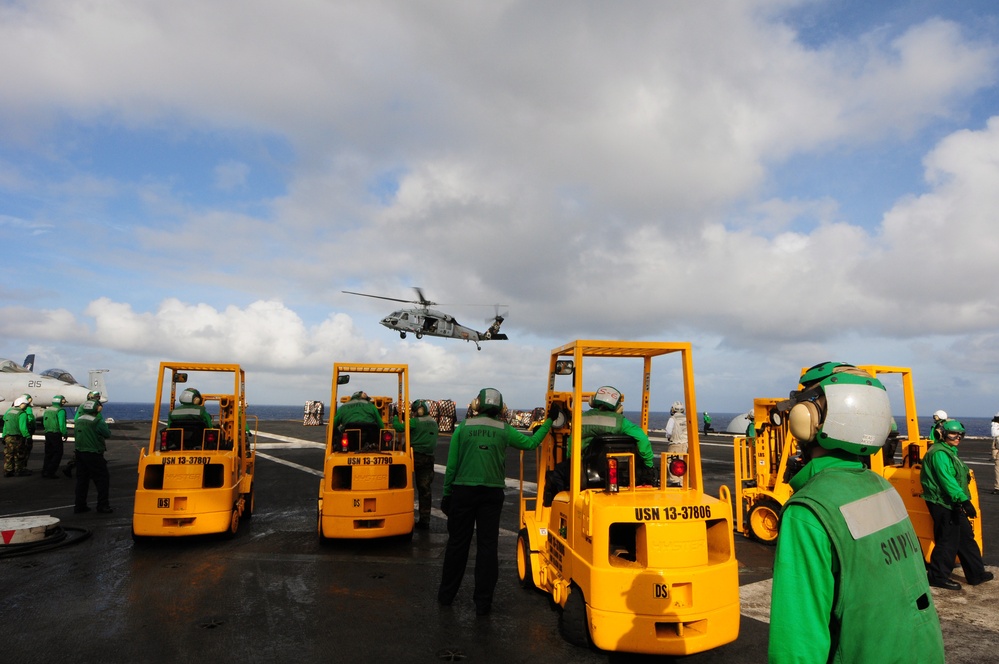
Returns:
point(367, 486)
point(765, 464)
point(634, 568)
point(196, 479)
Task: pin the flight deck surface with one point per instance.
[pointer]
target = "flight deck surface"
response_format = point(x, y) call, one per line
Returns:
point(274, 593)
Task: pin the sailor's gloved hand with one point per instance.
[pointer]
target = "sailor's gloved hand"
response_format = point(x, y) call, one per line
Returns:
point(969, 509)
point(554, 411)
point(446, 505)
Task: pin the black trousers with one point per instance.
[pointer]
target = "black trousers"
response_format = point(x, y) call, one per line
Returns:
point(475, 508)
point(423, 466)
point(953, 538)
point(92, 466)
point(53, 452)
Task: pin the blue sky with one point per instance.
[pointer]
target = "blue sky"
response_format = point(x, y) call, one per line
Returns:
point(778, 182)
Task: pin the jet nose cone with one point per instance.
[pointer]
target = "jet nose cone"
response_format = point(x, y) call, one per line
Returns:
point(79, 394)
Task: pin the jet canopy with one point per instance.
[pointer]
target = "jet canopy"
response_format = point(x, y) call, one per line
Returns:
point(60, 374)
point(9, 366)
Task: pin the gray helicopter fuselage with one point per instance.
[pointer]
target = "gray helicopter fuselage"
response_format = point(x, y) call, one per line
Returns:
point(428, 322)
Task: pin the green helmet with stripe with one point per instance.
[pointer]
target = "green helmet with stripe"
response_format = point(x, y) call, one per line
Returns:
point(489, 401)
point(841, 407)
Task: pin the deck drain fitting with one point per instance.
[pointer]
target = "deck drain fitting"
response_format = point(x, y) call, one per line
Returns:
point(449, 655)
point(212, 623)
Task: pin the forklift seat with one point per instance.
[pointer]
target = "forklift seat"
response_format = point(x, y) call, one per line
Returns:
point(595, 460)
point(369, 434)
point(193, 434)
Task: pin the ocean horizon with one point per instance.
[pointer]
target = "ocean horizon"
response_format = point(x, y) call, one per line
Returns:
point(126, 412)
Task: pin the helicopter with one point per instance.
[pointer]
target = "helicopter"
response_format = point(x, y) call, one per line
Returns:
point(424, 321)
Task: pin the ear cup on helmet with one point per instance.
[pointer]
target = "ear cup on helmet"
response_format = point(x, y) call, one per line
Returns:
point(803, 421)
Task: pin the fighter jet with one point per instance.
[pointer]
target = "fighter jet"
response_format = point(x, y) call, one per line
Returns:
point(15, 380)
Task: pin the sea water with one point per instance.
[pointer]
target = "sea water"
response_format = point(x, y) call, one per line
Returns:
point(975, 426)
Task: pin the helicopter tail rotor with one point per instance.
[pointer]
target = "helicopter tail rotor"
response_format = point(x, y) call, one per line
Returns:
point(497, 320)
point(498, 316)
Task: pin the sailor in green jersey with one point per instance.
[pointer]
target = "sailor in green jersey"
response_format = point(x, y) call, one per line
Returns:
point(936, 428)
point(191, 409)
point(54, 423)
point(707, 423)
point(16, 430)
point(91, 432)
point(423, 432)
point(359, 412)
point(473, 495)
point(847, 555)
point(95, 396)
point(945, 479)
point(603, 417)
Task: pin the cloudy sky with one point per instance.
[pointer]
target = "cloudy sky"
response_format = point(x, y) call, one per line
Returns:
point(779, 182)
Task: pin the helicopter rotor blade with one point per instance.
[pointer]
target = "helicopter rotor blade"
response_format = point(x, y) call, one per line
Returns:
point(382, 297)
point(423, 300)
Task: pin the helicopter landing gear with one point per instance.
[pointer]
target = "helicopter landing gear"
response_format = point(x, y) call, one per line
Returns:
point(402, 335)
point(419, 335)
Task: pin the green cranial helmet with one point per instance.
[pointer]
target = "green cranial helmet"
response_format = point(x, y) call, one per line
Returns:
point(94, 396)
point(841, 407)
point(360, 394)
point(953, 426)
point(489, 401)
point(58, 400)
point(606, 398)
point(417, 405)
point(191, 396)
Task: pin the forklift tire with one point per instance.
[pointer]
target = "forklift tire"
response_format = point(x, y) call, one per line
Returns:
point(572, 622)
point(233, 523)
point(248, 504)
point(524, 572)
point(764, 521)
point(323, 540)
point(140, 540)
